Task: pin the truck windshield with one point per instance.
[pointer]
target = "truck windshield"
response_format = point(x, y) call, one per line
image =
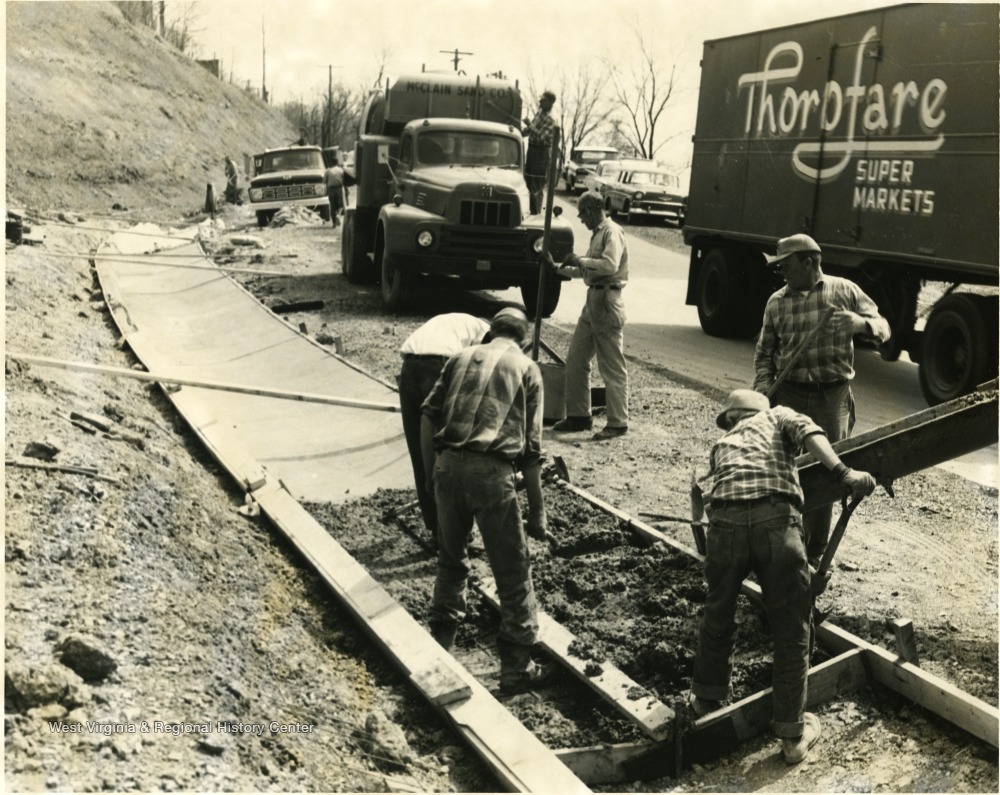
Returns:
point(290, 161)
point(467, 149)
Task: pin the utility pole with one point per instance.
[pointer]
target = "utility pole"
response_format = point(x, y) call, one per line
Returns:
point(263, 62)
point(455, 59)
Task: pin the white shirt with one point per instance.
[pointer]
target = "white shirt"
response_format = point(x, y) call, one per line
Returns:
point(446, 335)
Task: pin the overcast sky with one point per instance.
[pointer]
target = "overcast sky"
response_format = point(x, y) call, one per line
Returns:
point(532, 41)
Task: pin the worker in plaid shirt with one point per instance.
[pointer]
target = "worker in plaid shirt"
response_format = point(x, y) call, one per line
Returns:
point(539, 131)
point(819, 381)
point(754, 503)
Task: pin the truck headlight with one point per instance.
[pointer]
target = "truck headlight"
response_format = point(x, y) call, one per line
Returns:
point(319, 189)
point(256, 194)
point(425, 238)
point(537, 245)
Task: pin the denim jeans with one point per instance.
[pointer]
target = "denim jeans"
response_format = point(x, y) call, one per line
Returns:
point(833, 411)
point(767, 539)
point(478, 486)
point(599, 332)
point(416, 379)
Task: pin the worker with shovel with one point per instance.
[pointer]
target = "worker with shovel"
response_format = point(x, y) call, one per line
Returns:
point(805, 353)
point(754, 502)
point(482, 423)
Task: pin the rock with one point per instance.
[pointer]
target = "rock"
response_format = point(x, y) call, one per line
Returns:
point(48, 712)
point(36, 685)
point(385, 739)
point(45, 450)
point(86, 658)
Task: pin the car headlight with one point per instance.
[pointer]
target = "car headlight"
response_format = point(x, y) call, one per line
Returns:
point(425, 238)
point(256, 194)
point(537, 245)
point(638, 196)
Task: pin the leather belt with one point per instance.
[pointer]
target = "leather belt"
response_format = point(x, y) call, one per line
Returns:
point(815, 386)
point(605, 286)
point(743, 504)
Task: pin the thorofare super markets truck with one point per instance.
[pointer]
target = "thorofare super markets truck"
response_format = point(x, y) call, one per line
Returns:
point(876, 134)
point(439, 165)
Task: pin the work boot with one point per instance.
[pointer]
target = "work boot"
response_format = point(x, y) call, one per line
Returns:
point(702, 706)
point(609, 432)
point(795, 749)
point(571, 424)
point(444, 633)
point(518, 672)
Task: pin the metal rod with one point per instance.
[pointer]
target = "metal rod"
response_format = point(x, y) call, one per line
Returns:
point(546, 237)
point(281, 394)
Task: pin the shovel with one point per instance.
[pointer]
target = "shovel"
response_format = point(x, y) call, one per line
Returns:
point(846, 509)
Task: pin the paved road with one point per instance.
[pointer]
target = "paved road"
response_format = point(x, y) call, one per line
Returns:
point(665, 332)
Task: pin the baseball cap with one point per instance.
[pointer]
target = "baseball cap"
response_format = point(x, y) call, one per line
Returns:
point(794, 245)
point(743, 399)
point(548, 95)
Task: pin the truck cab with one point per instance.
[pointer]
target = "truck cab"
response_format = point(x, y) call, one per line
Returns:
point(441, 193)
point(291, 175)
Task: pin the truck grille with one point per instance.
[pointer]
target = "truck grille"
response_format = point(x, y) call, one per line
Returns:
point(485, 213)
point(507, 244)
point(282, 192)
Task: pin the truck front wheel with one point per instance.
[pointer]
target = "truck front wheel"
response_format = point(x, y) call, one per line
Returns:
point(959, 347)
point(722, 296)
point(264, 217)
point(396, 284)
point(529, 294)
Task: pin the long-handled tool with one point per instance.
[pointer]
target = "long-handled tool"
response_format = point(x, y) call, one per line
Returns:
point(846, 509)
point(797, 353)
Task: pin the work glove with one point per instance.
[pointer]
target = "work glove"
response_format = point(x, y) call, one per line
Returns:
point(817, 582)
point(860, 484)
point(538, 527)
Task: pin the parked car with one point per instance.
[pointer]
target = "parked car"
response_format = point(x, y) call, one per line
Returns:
point(605, 172)
point(581, 163)
point(647, 191)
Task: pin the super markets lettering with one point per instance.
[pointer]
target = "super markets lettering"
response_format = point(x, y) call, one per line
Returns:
point(883, 181)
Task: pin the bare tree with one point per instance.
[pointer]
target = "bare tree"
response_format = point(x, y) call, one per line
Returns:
point(583, 106)
point(643, 92)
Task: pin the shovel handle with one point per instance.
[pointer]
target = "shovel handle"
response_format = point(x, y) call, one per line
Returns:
point(846, 509)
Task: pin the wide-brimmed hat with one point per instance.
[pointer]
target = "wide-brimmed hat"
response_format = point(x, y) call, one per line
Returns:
point(742, 400)
point(796, 244)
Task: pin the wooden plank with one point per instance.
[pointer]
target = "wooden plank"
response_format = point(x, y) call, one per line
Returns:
point(906, 643)
point(518, 758)
point(980, 719)
point(598, 765)
point(650, 715)
point(138, 375)
point(723, 731)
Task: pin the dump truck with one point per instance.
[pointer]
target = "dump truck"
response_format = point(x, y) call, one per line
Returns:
point(288, 176)
point(440, 193)
point(876, 134)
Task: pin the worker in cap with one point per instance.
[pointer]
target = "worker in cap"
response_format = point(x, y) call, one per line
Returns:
point(754, 503)
point(482, 423)
point(600, 330)
point(540, 132)
point(807, 337)
point(423, 356)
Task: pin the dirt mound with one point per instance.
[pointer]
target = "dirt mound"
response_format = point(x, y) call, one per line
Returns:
point(101, 112)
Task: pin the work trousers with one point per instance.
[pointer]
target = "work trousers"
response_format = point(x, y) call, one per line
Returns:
point(479, 486)
point(415, 380)
point(600, 332)
point(767, 539)
point(335, 193)
point(833, 410)
point(536, 172)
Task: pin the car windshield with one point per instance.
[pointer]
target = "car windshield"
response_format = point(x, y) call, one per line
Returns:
point(291, 160)
point(467, 149)
point(595, 156)
point(655, 178)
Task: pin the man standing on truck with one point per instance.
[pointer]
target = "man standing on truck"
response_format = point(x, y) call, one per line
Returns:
point(818, 378)
point(539, 131)
point(481, 423)
point(600, 329)
point(753, 498)
point(424, 353)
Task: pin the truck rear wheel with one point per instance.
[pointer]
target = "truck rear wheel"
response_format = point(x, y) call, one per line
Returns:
point(959, 348)
point(529, 294)
point(354, 263)
point(396, 284)
point(723, 292)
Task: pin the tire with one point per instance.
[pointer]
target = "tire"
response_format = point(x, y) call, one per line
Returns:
point(264, 217)
point(529, 295)
point(722, 295)
point(959, 347)
point(354, 264)
point(396, 284)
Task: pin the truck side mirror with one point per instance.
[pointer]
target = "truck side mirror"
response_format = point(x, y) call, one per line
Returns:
point(383, 154)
